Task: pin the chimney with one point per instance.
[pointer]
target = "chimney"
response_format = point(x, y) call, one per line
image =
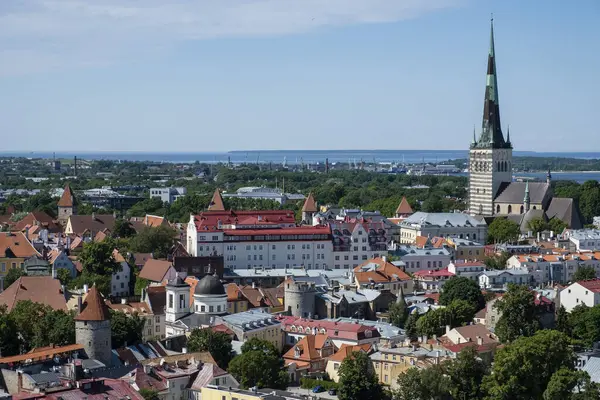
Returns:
point(93, 216)
point(85, 288)
point(79, 303)
point(447, 329)
point(53, 272)
point(253, 285)
point(123, 300)
point(479, 341)
point(184, 350)
point(384, 258)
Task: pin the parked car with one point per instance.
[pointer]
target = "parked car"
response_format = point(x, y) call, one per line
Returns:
point(332, 392)
point(318, 389)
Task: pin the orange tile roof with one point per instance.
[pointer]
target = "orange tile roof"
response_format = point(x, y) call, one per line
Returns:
point(193, 282)
point(421, 241)
point(154, 220)
point(347, 350)
point(404, 208)
point(216, 203)
point(310, 205)
point(384, 272)
point(133, 307)
point(17, 244)
point(39, 289)
point(42, 354)
point(94, 308)
point(155, 270)
point(37, 218)
point(309, 347)
point(68, 198)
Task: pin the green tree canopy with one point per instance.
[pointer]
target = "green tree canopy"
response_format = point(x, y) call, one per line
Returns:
point(556, 225)
point(461, 288)
point(519, 314)
point(497, 261)
point(537, 225)
point(157, 240)
point(567, 383)
point(12, 275)
point(423, 384)
point(522, 370)
point(218, 344)
point(398, 312)
point(122, 228)
point(126, 329)
point(585, 324)
point(149, 394)
point(457, 313)
point(9, 341)
point(466, 374)
point(357, 381)
point(257, 367)
point(97, 258)
point(410, 326)
point(584, 273)
point(503, 230)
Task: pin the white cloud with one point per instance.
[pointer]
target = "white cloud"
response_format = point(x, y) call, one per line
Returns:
point(37, 35)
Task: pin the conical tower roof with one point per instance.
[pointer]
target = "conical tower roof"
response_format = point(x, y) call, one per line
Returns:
point(310, 205)
point(68, 198)
point(404, 207)
point(94, 308)
point(216, 203)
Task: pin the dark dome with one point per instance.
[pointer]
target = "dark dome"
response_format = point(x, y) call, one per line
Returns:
point(210, 285)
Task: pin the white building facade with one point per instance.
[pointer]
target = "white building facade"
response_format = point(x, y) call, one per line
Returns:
point(584, 292)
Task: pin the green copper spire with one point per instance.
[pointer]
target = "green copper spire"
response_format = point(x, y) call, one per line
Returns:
point(491, 130)
point(526, 198)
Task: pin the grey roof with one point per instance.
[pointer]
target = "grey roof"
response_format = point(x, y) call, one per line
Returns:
point(411, 250)
point(46, 377)
point(585, 234)
point(351, 296)
point(465, 242)
point(592, 367)
point(514, 271)
point(210, 285)
point(566, 210)
point(442, 219)
point(529, 216)
point(514, 192)
point(249, 320)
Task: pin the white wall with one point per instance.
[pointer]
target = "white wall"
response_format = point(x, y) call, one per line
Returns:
point(120, 281)
point(575, 295)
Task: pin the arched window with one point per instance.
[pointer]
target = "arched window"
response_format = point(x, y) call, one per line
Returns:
point(497, 208)
point(534, 207)
point(509, 209)
point(474, 238)
point(522, 209)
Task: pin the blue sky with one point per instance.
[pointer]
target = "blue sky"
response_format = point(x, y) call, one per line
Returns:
point(215, 75)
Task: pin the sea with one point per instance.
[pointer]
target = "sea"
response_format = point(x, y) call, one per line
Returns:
point(315, 156)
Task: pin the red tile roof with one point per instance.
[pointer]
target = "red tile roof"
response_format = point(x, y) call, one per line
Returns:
point(100, 389)
point(17, 244)
point(213, 220)
point(309, 347)
point(296, 230)
point(42, 354)
point(155, 270)
point(310, 205)
point(346, 350)
point(216, 203)
point(37, 218)
point(67, 199)
point(433, 273)
point(333, 329)
point(81, 224)
point(39, 289)
point(404, 208)
point(593, 285)
point(94, 308)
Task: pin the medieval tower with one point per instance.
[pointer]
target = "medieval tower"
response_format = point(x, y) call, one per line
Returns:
point(490, 157)
point(299, 298)
point(92, 328)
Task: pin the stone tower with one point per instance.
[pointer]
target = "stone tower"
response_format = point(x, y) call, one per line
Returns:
point(490, 157)
point(66, 205)
point(309, 209)
point(92, 328)
point(299, 298)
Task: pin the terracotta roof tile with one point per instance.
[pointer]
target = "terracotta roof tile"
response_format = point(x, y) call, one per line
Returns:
point(68, 198)
point(94, 308)
point(158, 299)
point(155, 270)
point(309, 347)
point(17, 244)
point(404, 208)
point(39, 289)
point(378, 271)
point(310, 205)
point(38, 218)
point(213, 220)
point(216, 203)
point(81, 224)
point(347, 350)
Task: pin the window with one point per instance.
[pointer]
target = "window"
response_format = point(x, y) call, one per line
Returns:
point(337, 258)
point(211, 308)
point(202, 308)
point(171, 300)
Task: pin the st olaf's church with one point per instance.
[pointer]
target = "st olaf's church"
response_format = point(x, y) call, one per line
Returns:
point(492, 193)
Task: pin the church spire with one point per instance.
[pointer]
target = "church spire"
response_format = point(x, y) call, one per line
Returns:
point(526, 199)
point(491, 130)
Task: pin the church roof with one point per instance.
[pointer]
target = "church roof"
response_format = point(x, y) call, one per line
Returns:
point(529, 216)
point(404, 207)
point(514, 192)
point(216, 203)
point(565, 210)
point(491, 131)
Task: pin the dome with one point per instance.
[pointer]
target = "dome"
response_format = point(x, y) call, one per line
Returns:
point(210, 285)
point(177, 282)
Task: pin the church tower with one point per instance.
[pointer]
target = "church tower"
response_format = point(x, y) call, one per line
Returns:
point(490, 157)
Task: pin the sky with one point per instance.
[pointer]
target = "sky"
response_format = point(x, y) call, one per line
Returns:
point(220, 75)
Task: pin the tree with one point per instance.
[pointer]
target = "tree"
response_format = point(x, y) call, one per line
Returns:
point(97, 258)
point(557, 225)
point(218, 344)
point(357, 380)
point(41, 201)
point(584, 273)
point(497, 261)
point(259, 367)
point(122, 229)
point(567, 383)
point(537, 225)
point(157, 240)
point(562, 321)
point(149, 394)
point(423, 384)
point(461, 288)
point(522, 369)
point(12, 275)
point(466, 374)
point(589, 201)
point(398, 312)
point(64, 276)
point(585, 324)
point(433, 204)
point(9, 341)
point(503, 230)
point(411, 325)
point(457, 313)
point(126, 329)
point(519, 314)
